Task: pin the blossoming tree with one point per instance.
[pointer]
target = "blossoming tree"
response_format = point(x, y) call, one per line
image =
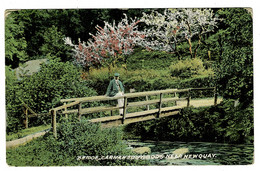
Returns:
point(166, 30)
point(109, 44)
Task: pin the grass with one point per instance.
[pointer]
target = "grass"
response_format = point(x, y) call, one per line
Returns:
point(26, 132)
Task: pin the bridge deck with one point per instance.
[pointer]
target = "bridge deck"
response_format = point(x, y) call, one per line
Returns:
point(111, 121)
point(75, 105)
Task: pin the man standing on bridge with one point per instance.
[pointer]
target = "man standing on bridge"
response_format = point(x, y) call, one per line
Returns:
point(116, 89)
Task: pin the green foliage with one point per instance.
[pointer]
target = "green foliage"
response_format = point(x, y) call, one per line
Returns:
point(72, 23)
point(137, 79)
point(26, 132)
point(56, 80)
point(15, 43)
point(99, 78)
point(32, 34)
point(234, 72)
point(43, 90)
point(54, 45)
point(144, 59)
point(74, 140)
point(223, 123)
point(13, 105)
point(145, 80)
point(188, 68)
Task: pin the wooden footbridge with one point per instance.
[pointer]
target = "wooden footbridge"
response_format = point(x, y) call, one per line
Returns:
point(75, 105)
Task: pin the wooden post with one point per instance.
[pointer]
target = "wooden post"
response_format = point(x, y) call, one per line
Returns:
point(79, 111)
point(215, 96)
point(124, 111)
point(54, 124)
point(147, 106)
point(188, 98)
point(66, 115)
point(160, 105)
point(175, 95)
point(26, 118)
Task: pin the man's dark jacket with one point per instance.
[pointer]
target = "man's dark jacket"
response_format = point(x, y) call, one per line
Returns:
point(112, 88)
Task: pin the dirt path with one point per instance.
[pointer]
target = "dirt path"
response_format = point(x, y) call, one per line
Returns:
point(24, 140)
point(199, 102)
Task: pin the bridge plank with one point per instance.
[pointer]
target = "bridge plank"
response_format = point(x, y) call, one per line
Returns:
point(107, 108)
point(65, 106)
point(154, 111)
point(70, 111)
point(99, 109)
point(108, 118)
point(143, 103)
point(143, 118)
point(200, 102)
point(136, 114)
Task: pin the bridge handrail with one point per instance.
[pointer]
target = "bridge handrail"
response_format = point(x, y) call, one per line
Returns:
point(78, 102)
point(130, 95)
point(127, 95)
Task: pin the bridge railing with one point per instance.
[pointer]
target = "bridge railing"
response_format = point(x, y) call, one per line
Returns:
point(29, 113)
point(81, 111)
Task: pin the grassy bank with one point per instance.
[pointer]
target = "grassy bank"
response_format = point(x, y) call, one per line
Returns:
point(75, 139)
point(25, 132)
point(223, 123)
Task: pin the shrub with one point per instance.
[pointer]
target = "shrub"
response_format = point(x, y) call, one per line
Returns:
point(188, 68)
point(56, 80)
point(44, 89)
point(222, 123)
point(12, 89)
point(144, 59)
point(54, 44)
point(145, 80)
point(74, 140)
point(234, 41)
point(15, 42)
point(141, 80)
point(99, 78)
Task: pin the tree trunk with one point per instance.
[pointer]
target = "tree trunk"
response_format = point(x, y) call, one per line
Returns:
point(195, 53)
point(191, 55)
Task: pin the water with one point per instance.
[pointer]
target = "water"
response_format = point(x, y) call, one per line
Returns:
point(196, 153)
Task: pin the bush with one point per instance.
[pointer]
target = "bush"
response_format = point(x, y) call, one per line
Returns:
point(54, 44)
point(141, 80)
point(44, 89)
point(55, 81)
point(74, 140)
point(15, 42)
point(13, 119)
point(188, 68)
point(99, 78)
point(234, 71)
point(144, 59)
point(223, 123)
point(145, 80)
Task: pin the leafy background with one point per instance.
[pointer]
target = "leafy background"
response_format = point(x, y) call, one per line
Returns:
point(224, 58)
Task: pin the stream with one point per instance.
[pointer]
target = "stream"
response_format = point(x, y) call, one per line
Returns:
point(195, 153)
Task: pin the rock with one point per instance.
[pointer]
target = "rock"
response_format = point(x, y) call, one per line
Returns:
point(181, 151)
point(142, 150)
point(29, 68)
